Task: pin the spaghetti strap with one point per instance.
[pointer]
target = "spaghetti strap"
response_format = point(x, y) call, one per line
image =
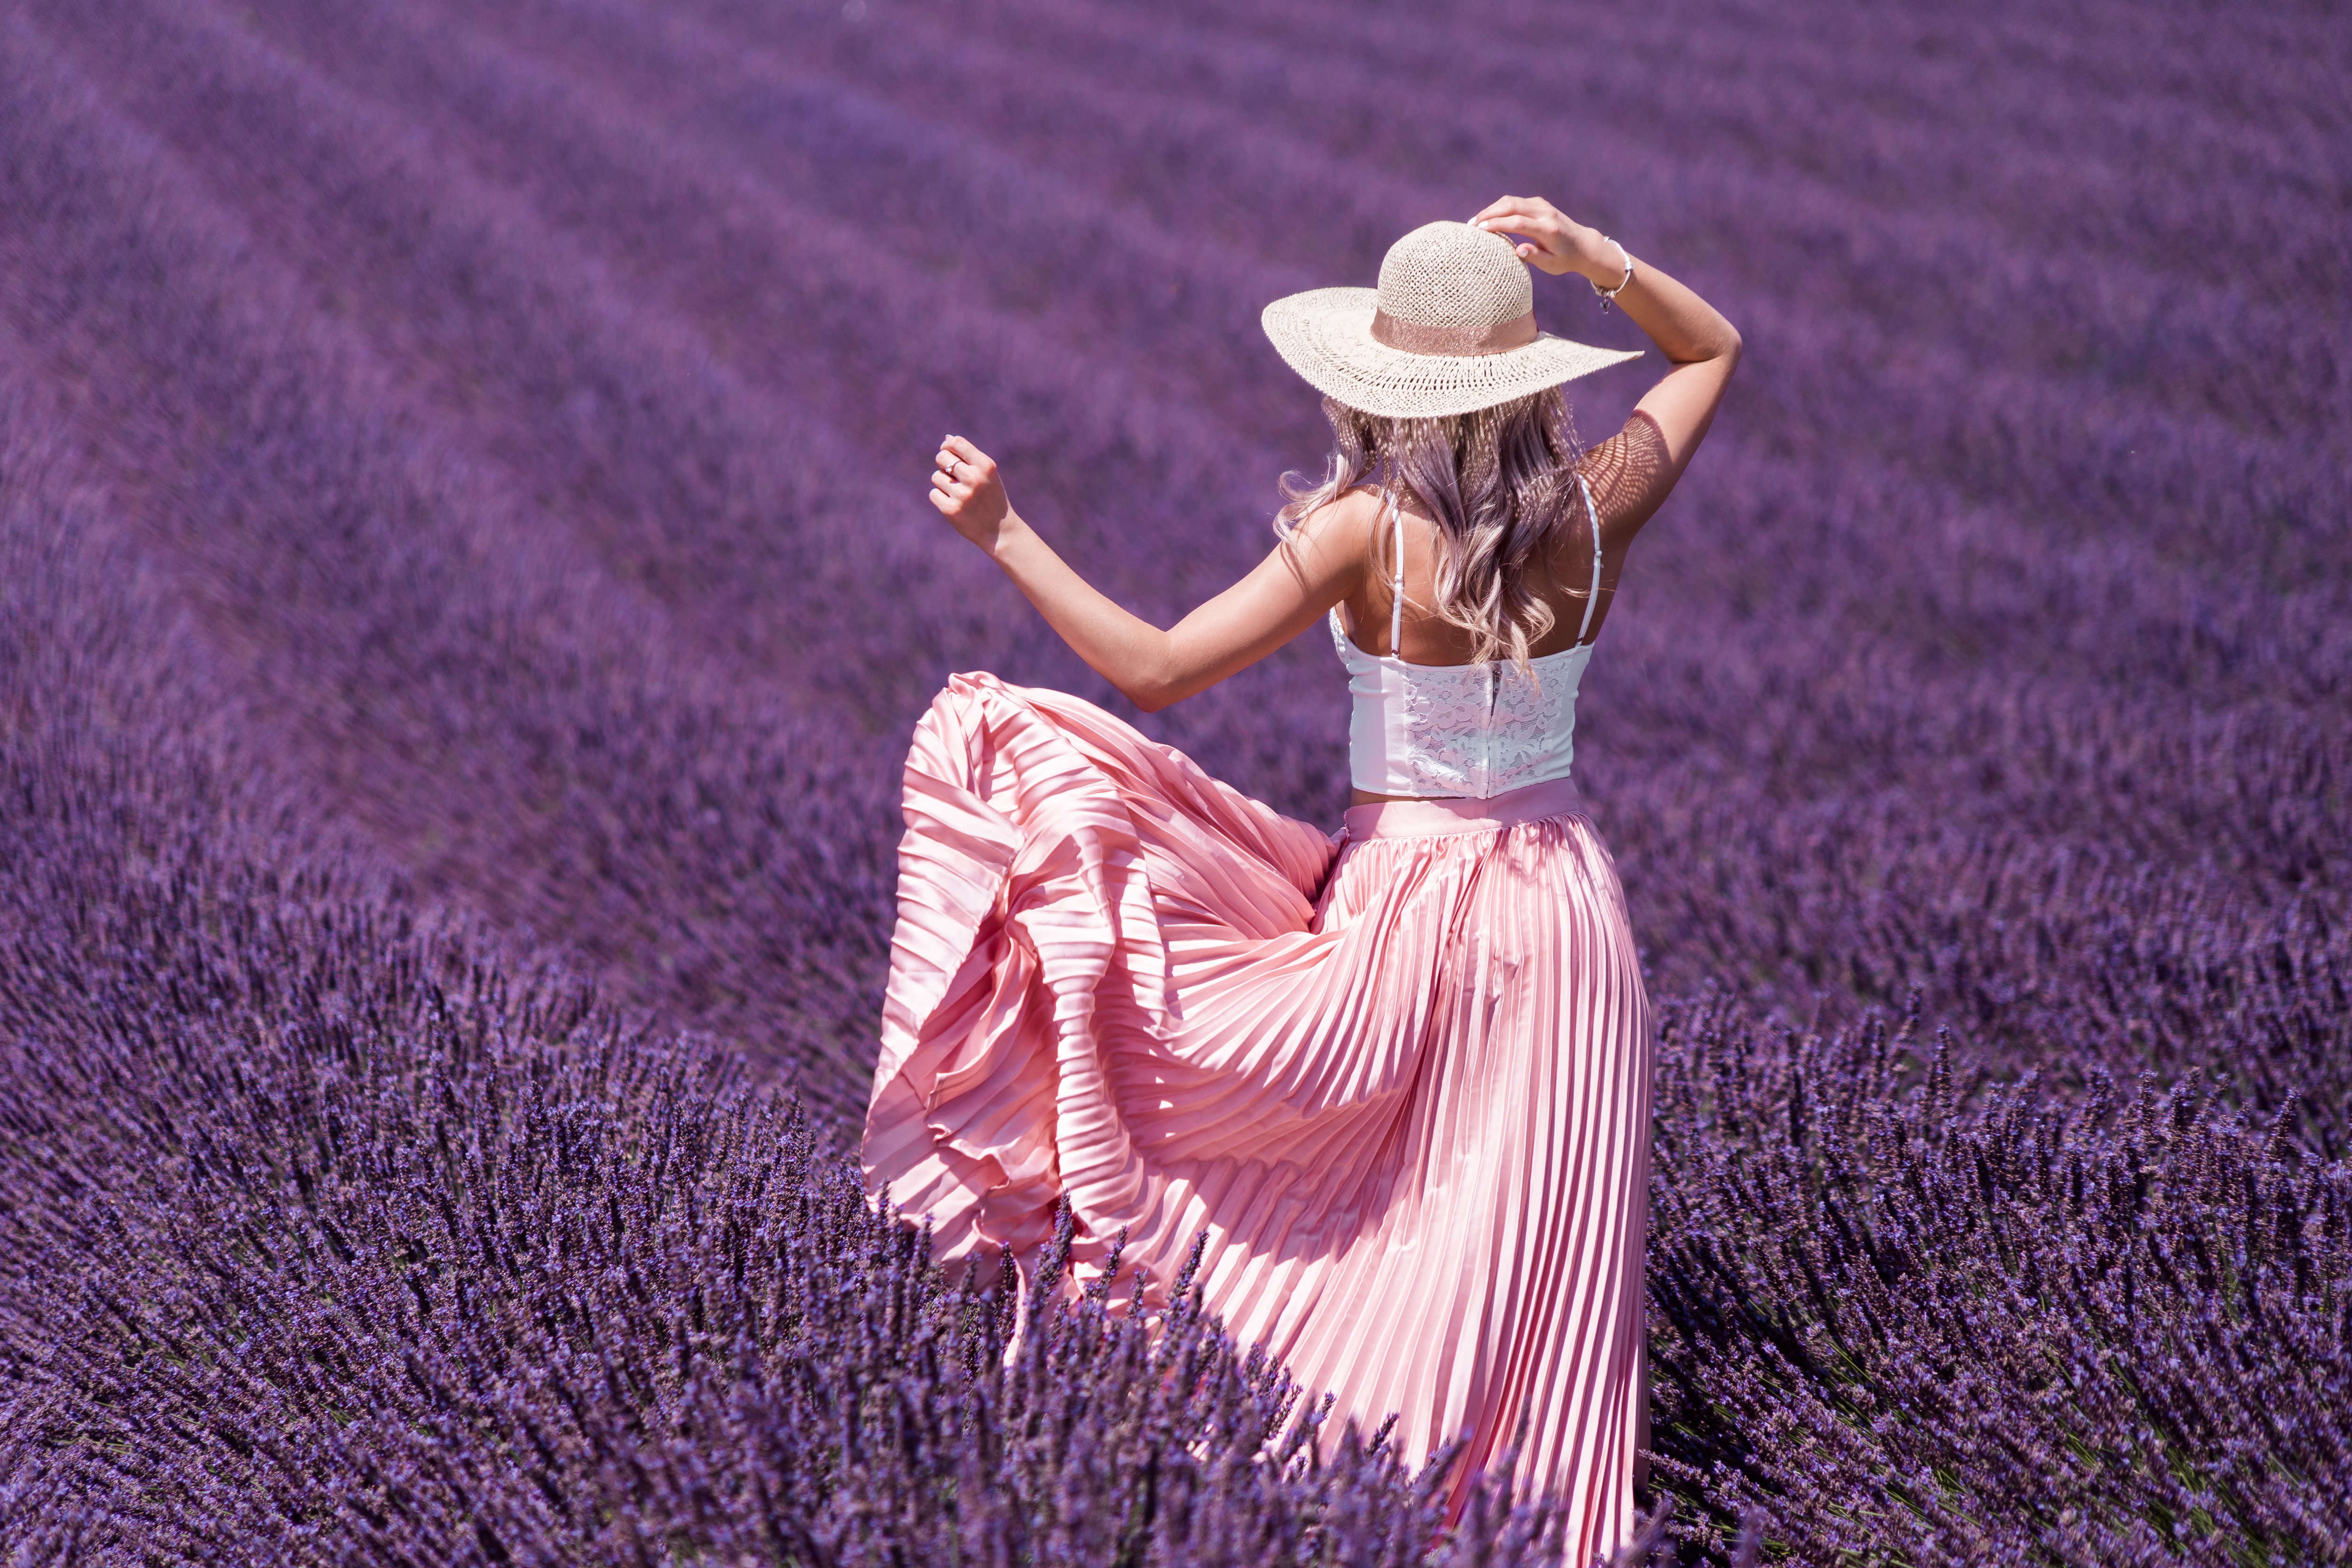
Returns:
point(1593, 596)
point(1396, 587)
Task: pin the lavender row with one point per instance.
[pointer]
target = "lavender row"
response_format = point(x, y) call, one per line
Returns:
point(453, 683)
point(1890, 969)
point(1352, 160)
point(833, 616)
point(2104, 1334)
point(1819, 765)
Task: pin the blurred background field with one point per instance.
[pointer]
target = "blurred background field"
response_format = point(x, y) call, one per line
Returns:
point(465, 587)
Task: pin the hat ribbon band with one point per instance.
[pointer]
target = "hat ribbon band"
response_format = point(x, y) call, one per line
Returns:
point(1418, 337)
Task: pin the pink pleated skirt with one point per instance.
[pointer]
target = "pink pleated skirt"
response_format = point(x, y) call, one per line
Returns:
point(1399, 1076)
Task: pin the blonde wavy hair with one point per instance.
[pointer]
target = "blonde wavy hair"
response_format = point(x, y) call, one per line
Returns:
point(1501, 484)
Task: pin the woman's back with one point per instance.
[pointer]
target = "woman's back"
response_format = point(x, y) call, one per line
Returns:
point(1626, 476)
point(1463, 728)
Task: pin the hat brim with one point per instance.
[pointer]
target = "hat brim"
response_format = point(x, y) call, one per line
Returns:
point(1326, 335)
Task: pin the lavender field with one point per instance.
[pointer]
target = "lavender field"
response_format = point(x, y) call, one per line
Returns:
point(466, 588)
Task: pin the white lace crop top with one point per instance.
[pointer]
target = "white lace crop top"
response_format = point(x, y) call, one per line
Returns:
point(1462, 730)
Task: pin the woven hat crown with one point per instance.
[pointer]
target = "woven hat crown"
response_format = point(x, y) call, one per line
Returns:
point(1452, 275)
point(1452, 328)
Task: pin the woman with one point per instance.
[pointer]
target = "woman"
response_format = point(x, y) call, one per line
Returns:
point(1400, 1078)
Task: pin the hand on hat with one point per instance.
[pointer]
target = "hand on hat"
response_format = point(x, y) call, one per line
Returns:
point(968, 492)
point(1547, 238)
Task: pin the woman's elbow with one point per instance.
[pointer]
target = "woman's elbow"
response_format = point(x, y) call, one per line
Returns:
point(1164, 678)
point(1159, 690)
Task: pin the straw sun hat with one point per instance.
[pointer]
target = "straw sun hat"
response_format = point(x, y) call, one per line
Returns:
point(1452, 328)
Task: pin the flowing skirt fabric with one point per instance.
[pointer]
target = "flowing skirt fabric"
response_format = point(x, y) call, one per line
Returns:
point(1401, 1078)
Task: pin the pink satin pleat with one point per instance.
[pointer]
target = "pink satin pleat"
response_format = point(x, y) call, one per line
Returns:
point(1406, 1094)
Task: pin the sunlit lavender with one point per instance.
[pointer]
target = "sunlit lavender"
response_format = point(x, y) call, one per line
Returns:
point(465, 590)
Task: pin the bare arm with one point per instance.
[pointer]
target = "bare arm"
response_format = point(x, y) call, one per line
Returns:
point(1320, 565)
point(1703, 347)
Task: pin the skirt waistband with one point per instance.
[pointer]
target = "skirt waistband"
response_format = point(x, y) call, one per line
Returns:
point(1438, 818)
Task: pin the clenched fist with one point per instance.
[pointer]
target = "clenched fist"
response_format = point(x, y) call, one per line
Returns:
point(968, 492)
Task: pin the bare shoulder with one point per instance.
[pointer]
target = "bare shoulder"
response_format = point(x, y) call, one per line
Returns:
point(1630, 474)
point(1343, 526)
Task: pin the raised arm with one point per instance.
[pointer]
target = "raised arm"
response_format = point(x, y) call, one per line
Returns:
point(1637, 468)
point(1319, 564)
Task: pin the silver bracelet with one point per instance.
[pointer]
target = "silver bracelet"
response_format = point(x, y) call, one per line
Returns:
point(1608, 294)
